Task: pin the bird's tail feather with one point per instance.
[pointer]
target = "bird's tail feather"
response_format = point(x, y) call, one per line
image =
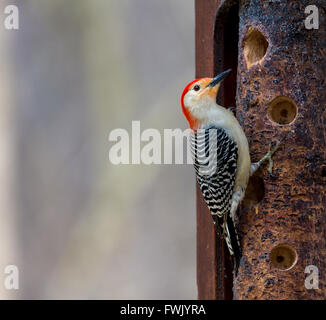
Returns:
point(227, 231)
point(232, 241)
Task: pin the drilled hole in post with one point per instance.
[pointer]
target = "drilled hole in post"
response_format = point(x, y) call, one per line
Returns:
point(283, 257)
point(255, 47)
point(323, 171)
point(282, 110)
point(255, 192)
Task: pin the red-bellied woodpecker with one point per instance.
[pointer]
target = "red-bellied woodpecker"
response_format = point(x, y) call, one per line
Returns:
point(221, 156)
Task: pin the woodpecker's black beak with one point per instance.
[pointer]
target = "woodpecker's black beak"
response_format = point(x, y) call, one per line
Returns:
point(218, 79)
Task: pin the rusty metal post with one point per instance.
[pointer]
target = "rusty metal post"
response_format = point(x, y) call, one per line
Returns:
point(214, 272)
point(279, 82)
point(282, 94)
point(206, 234)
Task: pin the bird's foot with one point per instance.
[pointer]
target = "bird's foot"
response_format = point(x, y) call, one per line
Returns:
point(269, 154)
point(267, 157)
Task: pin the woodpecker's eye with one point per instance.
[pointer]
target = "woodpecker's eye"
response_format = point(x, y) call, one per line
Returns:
point(196, 87)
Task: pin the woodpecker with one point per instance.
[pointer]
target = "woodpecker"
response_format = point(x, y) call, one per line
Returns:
point(221, 156)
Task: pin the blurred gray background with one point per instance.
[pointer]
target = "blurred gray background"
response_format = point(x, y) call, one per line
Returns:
point(77, 226)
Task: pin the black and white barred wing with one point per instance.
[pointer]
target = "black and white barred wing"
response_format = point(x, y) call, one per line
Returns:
point(215, 160)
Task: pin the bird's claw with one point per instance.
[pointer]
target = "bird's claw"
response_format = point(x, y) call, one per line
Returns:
point(273, 148)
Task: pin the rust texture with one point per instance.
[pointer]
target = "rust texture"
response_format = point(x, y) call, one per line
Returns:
point(214, 275)
point(293, 209)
